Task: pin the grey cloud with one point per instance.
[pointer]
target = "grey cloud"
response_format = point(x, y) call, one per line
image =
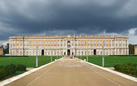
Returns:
point(76, 16)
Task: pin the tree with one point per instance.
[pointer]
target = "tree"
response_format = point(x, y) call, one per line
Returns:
point(6, 50)
point(131, 48)
point(1, 46)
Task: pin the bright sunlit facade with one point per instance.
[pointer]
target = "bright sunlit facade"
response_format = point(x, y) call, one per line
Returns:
point(68, 45)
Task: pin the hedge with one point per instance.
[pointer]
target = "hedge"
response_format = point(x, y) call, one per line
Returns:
point(127, 68)
point(10, 70)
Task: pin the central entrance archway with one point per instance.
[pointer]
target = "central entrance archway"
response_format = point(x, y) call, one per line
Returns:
point(68, 52)
point(42, 53)
point(94, 51)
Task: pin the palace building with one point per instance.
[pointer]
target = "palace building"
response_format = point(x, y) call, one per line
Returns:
point(1, 50)
point(135, 50)
point(68, 45)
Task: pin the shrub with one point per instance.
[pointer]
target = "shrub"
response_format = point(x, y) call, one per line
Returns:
point(2, 73)
point(10, 70)
point(127, 68)
point(20, 67)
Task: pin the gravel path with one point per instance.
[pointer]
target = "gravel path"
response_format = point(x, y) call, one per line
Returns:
point(72, 72)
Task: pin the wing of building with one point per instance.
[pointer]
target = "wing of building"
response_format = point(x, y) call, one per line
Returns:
point(1, 50)
point(135, 50)
point(68, 45)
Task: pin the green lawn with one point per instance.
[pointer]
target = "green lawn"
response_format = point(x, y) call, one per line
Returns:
point(29, 61)
point(110, 61)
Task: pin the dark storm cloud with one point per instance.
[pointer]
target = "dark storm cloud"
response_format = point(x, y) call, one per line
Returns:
point(74, 16)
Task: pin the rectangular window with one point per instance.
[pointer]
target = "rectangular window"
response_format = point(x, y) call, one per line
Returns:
point(94, 45)
point(103, 41)
point(94, 41)
point(39, 42)
point(110, 41)
point(98, 41)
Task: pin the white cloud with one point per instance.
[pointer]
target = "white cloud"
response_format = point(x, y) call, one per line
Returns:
point(59, 32)
point(105, 33)
point(130, 34)
point(132, 39)
point(132, 31)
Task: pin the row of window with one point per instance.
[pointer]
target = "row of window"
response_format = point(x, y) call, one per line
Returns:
point(83, 46)
point(57, 42)
point(81, 52)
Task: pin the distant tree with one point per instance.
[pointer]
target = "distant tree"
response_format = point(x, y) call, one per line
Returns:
point(131, 48)
point(6, 50)
point(1, 46)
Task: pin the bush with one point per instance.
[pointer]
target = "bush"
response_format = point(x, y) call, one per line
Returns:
point(10, 70)
point(20, 67)
point(2, 73)
point(127, 68)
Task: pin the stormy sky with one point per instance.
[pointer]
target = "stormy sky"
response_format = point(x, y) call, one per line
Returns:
point(62, 17)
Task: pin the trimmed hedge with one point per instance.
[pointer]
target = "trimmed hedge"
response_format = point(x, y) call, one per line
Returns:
point(10, 70)
point(127, 68)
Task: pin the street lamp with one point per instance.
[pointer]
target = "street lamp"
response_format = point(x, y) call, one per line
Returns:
point(51, 55)
point(82, 53)
point(61, 52)
point(87, 55)
point(103, 56)
point(36, 56)
point(57, 54)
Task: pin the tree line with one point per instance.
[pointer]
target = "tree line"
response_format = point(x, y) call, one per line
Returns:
point(6, 49)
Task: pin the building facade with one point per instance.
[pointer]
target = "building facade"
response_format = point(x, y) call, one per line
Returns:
point(135, 50)
point(1, 50)
point(68, 45)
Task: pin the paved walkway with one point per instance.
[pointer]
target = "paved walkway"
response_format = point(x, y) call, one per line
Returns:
point(72, 72)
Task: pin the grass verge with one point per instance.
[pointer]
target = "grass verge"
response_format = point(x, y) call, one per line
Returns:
point(29, 62)
point(110, 61)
